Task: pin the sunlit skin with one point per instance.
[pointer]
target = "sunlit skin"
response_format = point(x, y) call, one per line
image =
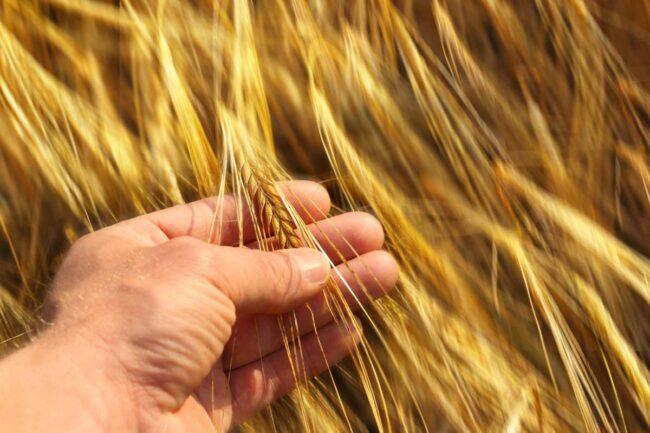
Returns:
point(151, 328)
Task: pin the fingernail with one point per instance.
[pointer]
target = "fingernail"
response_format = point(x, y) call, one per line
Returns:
point(313, 264)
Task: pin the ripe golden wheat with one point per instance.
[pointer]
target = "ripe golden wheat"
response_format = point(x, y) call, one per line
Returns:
point(503, 144)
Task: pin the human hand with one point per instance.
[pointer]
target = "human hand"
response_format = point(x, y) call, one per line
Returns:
point(154, 329)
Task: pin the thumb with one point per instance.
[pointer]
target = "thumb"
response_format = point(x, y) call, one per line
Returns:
point(271, 282)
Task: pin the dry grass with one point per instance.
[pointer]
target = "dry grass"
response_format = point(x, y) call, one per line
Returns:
point(503, 145)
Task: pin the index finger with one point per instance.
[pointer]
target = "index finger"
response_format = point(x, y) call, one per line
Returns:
point(198, 219)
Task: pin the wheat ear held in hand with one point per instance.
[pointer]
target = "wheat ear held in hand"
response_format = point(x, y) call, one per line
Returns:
point(269, 203)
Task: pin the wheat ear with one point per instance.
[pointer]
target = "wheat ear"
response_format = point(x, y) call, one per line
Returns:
point(269, 204)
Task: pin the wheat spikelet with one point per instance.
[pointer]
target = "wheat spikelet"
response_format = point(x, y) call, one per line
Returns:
point(270, 205)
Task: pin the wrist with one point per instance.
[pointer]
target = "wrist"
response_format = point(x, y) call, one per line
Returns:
point(63, 383)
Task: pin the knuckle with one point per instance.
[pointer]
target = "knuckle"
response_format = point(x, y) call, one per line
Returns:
point(185, 243)
point(84, 243)
point(229, 312)
point(219, 303)
point(285, 274)
point(226, 287)
point(88, 249)
point(254, 386)
point(101, 243)
point(190, 251)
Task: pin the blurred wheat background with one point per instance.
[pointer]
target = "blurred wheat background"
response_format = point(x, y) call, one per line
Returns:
point(503, 144)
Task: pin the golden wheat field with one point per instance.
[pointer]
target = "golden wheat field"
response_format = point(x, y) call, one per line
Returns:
point(503, 144)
